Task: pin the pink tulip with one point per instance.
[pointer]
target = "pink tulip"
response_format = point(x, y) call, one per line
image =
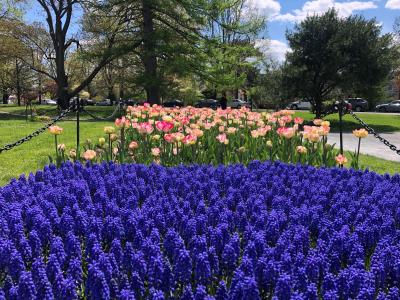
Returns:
point(298, 120)
point(317, 122)
point(222, 138)
point(123, 122)
point(145, 128)
point(164, 126)
point(189, 139)
point(287, 133)
point(341, 159)
point(169, 138)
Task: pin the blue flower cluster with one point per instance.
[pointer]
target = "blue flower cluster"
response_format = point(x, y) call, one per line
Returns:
point(265, 231)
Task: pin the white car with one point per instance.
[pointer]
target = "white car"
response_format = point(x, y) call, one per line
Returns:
point(49, 102)
point(238, 103)
point(301, 104)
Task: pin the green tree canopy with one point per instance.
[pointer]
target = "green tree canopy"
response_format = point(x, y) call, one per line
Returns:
point(331, 54)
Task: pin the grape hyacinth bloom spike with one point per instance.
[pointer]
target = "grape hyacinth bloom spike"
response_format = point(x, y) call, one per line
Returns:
point(267, 230)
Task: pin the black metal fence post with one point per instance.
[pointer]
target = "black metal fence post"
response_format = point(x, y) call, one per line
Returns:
point(78, 108)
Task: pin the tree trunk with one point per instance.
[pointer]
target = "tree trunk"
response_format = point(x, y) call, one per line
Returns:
point(111, 94)
point(214, 96)
point(18, 82)
point(318, 107)
point(151, 85)
point(40, 89)
point(5, 95)
point(63, 96)
point(122, 90)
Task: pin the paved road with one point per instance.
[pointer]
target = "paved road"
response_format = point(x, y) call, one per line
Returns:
point(366, 112)
point(370, 145)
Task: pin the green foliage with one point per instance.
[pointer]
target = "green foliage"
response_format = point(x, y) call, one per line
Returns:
point(330, 54)
point(268, 91)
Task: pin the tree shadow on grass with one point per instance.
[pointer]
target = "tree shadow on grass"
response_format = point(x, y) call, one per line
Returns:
point(8, 117)
point(349, 126)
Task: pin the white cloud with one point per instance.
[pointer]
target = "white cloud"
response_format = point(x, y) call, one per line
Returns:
point(393, 4)
point(316, 7)
point(268, 8)
point(273, 49)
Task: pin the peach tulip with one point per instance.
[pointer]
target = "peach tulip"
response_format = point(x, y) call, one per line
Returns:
point(341, 159)
point(222, 139)
point(155, 151)
point(89, 155)
point(133, 145)
point(55, 130)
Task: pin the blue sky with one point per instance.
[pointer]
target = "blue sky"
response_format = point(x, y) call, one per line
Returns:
point(283, 14)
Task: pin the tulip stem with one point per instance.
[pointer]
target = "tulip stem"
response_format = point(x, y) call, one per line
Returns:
point(358, 151)
point(56, 145)
point(122, 156)
point(109, 147)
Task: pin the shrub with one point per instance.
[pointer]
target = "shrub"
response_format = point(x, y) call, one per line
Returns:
point(269, 230)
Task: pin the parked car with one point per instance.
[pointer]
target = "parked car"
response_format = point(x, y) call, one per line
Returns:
point(106, 102)
point(49, 102)
point(173, 103)
point(210, 103)
point(358, 104)
point(129, 102)
point(88, 102)
point(238, 103)
point(301, 104)
point(393, 106)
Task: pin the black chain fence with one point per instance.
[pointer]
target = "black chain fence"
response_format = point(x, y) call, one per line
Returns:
point(36, 132)
point(116, 112)
point(374, 133)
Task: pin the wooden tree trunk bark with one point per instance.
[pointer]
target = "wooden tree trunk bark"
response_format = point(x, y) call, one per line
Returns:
point(18, 81)
point(152, 87)
point(63, 96)
point(5, 95)
point(318, 107)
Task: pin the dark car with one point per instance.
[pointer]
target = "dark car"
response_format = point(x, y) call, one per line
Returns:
point(129, 102)
point(393, 106)
point(106, 102)
point(87, 102)
point(209, 103)
point(358, 104)
point(173, 103)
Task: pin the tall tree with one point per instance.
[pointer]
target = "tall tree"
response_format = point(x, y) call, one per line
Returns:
point(108, 34)
point(330, 53)
point(233, 28)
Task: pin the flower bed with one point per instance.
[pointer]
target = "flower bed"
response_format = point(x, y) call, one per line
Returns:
point(170, 136)
point(150, 232)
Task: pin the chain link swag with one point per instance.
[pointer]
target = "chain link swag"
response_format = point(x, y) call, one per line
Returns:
point(37, 132)
point(374, 133)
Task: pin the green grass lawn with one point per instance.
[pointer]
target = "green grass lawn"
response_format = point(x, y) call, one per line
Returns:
point(378, 165)
point(19, 112)
point(33, 155)
point(380, 122)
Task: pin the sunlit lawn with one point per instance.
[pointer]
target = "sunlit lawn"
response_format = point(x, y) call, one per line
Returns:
point(380, 122)
point(33, 155)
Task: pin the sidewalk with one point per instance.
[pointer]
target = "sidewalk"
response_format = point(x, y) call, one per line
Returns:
point(370, 145)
